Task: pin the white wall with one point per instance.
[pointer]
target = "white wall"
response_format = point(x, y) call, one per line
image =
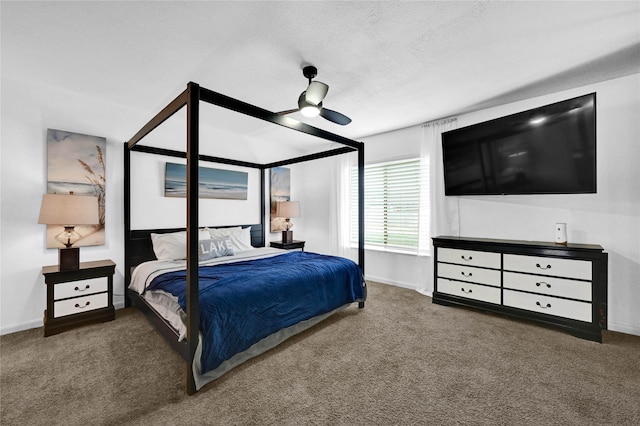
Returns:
point(27, 112)
point(147, 197)
point(610, 218)
point(311, 184)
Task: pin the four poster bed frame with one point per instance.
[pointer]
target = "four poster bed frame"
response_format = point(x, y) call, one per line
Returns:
point(138, 247)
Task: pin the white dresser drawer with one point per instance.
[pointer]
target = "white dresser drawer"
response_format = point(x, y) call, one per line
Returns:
point(469, 273)
point(79, 288)
point(570, 268)
point(551, 286)
point(470, 291)
point(80, 304)
point(469, 257)
point(580, 311)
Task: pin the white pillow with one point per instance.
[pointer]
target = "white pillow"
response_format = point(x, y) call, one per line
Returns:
point(222, 232)
point(173, 245)
point(241, 238)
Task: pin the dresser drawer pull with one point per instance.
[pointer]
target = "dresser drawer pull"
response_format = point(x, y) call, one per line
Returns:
point(470, 274)
point(538, 284)
point(465, 291)
point(87, 287)
point(82, 307)
point(543, 267)
point(544, 307)
point(463, 257)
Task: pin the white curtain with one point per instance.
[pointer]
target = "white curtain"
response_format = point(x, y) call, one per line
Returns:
point(438, 214)
point(339, 204)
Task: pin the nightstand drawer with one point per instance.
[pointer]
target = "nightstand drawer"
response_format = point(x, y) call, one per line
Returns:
point(551, 286)
point(469, 273)
point(469, 257)
point(79, 288)
point(572, 309)
point(80, 304)
point(570, 268)
point(470, 291)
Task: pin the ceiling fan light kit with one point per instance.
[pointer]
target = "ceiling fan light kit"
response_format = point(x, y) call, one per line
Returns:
point(307, 108)
point(310, 101)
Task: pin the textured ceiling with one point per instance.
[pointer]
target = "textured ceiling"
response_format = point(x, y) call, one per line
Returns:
point(389, 65)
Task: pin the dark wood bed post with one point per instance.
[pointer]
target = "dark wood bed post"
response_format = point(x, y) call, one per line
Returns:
point(193, 300)
point(127, 222)
point(361, 212)
point(263, 201)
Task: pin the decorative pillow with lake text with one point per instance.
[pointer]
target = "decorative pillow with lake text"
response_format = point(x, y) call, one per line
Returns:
point(217, 247)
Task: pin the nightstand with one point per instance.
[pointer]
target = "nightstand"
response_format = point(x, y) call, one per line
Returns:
point(295, 244)
point(71, 303)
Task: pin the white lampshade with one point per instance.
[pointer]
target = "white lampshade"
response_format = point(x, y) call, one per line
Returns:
point(68, 210)
point(288, 209)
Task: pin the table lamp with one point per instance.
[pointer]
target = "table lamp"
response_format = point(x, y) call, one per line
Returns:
point(287, 209)
point(68, 210)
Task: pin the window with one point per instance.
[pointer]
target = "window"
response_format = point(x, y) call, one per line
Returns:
point(392, 205)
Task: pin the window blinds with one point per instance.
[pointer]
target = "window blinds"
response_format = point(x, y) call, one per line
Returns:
point(392, 204)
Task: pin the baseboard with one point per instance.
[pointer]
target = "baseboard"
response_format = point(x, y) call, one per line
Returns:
point(389, 282)
point(38, 323)
point(425, 292)
point(21, 327)
point(623, 328)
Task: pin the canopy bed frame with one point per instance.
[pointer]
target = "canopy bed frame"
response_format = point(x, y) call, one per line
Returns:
point(137, 242)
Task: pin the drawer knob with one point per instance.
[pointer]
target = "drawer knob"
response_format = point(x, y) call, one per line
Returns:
point(543, 267)
point(544, 307)
point(465, 291)
point(542, 282)
point(466, 258)
point(470, 274)
point(87, 287)
point(85, 305)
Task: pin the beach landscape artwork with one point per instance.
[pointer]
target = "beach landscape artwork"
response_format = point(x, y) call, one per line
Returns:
point(76, 164)
point(213, 183)
point(280, 190)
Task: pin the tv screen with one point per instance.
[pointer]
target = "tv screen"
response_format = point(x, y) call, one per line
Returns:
point(546, 150)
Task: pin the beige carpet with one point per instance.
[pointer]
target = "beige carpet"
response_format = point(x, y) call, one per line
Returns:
point(401, 360)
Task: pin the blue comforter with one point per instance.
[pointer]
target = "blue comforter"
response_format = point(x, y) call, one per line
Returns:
point(244, 302)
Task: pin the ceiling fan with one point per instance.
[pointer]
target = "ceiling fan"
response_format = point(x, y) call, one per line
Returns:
point(310, 101)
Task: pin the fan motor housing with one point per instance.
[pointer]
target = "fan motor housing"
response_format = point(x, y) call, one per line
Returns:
point(310, 71)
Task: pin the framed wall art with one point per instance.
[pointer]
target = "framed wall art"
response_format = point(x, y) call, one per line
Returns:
point(213, 183)
point(279, 190)
point(76, 163)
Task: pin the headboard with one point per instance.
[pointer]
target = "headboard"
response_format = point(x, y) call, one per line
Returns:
point(142, 249)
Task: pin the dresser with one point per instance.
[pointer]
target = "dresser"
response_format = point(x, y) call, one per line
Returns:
point(563, 286)
point(73, 300)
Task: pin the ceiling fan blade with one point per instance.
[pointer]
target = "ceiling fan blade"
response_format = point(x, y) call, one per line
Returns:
point(335, 116)
point(289, 111)
point(316, 92)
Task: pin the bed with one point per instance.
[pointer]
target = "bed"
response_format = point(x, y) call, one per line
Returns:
point(219, 310)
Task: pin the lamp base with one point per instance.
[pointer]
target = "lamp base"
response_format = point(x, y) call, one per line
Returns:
point(287, 237)
point(69, 259)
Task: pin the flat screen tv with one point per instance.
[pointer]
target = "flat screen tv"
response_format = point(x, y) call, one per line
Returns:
point(546, 150)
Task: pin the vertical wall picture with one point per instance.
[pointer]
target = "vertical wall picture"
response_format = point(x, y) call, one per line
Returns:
point(280, 190)
point(76, 164)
